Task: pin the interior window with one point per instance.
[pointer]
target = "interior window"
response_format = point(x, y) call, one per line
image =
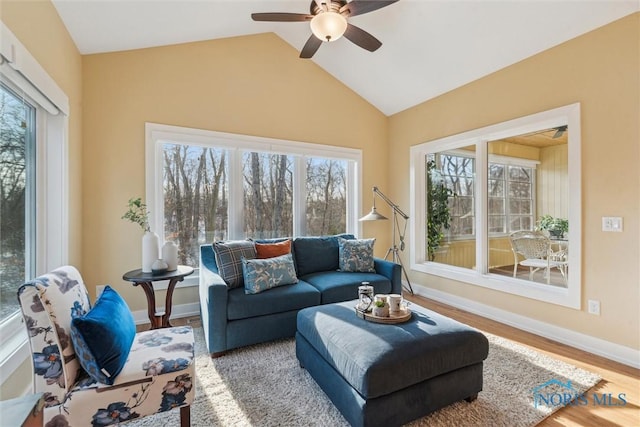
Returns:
point(497, 203)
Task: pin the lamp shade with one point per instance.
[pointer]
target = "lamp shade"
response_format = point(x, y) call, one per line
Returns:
point(328, 26)
point(373, 216)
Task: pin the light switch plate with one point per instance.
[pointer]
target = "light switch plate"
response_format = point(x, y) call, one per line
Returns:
point(612, 223)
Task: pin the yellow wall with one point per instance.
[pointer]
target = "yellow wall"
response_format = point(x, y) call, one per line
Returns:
point(39, 28)
point(254, 85)
point(599, 70)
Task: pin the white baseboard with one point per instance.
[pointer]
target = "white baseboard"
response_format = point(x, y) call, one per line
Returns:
point(600, 347)
point(177, 311)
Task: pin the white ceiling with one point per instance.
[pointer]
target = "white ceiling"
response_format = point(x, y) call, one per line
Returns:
point(429, 46)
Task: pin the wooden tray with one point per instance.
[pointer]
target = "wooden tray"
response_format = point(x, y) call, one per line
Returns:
point(394, 317)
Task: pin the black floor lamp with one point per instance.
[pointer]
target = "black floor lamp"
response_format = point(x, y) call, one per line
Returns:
point(394, 249)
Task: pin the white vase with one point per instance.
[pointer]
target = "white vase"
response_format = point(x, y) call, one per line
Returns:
point(150, 250)
point(170, 255)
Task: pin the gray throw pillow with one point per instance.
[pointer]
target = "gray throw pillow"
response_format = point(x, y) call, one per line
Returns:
point(229, 260)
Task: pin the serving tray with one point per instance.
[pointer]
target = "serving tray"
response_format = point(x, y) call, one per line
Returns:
point(394, 317)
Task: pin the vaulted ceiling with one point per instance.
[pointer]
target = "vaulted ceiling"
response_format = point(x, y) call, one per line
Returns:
point(429, 46)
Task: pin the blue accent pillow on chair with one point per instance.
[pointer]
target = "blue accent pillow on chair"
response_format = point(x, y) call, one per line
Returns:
point(102, 338)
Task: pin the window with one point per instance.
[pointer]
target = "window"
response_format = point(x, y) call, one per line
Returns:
point(34, 171)
point(471, 191)
point(17, 197)
point(204, 186)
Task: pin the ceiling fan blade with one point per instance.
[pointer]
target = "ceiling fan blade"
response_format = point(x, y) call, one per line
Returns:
point(362, 38)
point(281, 17)
point(359, 7)
point(310, 47)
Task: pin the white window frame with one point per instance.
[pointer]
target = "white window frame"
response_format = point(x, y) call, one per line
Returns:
point(20, 71)
point(159, 134)
point(569, 296)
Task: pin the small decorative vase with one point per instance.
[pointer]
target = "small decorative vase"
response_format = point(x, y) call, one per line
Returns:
point(170, 255)
point(150, 250)
point(159, 267)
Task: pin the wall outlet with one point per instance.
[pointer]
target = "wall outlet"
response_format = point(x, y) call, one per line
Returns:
point(594, 307)
point(612, 223)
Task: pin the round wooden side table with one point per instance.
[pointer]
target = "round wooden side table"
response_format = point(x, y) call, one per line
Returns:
point(146, 280)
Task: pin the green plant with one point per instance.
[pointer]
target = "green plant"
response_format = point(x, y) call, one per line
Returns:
point(438, 215)
point(380, 303)
point(137, 213)
point(555, 226)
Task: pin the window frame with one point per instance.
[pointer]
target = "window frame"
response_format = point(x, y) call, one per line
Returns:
point(22, 73)
point(480, 138)
point(158, 134)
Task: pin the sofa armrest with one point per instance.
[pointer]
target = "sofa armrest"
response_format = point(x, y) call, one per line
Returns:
point(391, 271)
point(213, 302)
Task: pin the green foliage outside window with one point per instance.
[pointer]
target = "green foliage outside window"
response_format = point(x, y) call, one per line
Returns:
point(438, 215)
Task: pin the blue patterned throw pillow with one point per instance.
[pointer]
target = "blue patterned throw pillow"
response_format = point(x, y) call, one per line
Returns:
point(102, 338)
point(263, 274)
point(229, 259)
point(356, 255)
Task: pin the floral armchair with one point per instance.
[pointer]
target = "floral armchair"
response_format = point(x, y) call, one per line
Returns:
point(158, 374)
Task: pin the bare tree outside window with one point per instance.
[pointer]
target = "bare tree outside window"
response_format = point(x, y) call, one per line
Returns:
point(326, 196)
point(17, 144)
point(196, 189)
point(195, 198)
point(268, 195)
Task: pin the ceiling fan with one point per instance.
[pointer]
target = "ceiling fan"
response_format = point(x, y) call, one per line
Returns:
point(329, 22)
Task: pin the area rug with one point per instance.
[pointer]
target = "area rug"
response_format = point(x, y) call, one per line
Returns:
point(263, 385)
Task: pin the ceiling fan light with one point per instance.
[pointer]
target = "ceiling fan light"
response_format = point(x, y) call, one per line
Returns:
point(328, 26)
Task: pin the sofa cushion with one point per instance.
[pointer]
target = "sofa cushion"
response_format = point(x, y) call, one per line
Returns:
point(263, 274)
point(229, 260)
point(336, 286)
point(271, 250)
point(277, 300)
point(314, 254)
point(103, 337)
point(356, 255)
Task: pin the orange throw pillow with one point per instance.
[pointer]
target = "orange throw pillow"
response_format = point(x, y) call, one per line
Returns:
point(271, 250)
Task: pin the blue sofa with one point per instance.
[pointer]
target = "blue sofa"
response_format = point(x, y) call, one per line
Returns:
point(233, 319)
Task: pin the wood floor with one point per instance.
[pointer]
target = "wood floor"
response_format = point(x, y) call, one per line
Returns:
point(616, 378)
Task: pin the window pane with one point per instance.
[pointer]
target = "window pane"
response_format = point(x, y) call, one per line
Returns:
point(520, 189)
point(195, 198)
point(519, 207)
point(497, 223)
point(326, 202)
point(268, 195)
point(496, 188)
point(517, 173)
point(496, 206)
point(17, 192)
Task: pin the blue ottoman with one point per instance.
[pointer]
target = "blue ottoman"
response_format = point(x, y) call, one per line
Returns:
point(387, 375)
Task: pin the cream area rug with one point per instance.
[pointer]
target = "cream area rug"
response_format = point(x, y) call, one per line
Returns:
point(263, 385)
